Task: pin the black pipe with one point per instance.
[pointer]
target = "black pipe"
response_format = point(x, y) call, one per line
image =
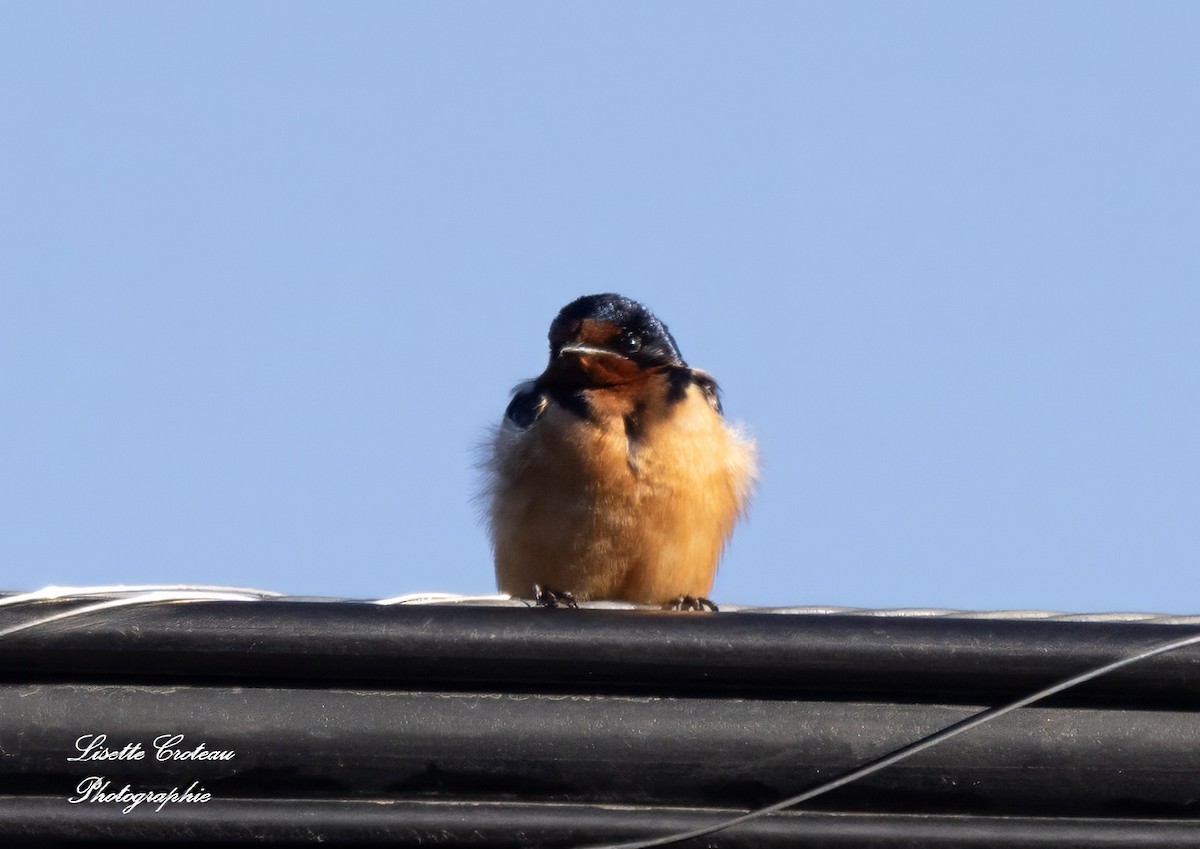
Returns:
point(471, 648)
point(557, 826)
point(315, 743)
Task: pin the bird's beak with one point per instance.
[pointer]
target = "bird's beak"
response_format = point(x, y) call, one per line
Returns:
point(579, 349)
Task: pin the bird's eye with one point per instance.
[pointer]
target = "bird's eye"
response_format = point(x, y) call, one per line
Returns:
point(631, 343)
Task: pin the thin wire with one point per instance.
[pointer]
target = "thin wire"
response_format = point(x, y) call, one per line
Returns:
point(151, 597)
point(440, 598)
point(56, 593)
point(911, 749)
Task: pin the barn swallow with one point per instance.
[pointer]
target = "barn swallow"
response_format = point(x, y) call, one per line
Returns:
point(614, 474)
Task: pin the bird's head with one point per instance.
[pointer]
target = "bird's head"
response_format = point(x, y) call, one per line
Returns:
point(601, 340)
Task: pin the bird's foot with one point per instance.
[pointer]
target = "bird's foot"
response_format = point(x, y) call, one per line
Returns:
point(546, 597)
point(691, 602)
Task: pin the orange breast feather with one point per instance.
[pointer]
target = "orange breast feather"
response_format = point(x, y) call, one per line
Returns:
point(634, 503)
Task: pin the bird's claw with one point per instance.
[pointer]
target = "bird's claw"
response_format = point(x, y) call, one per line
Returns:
point(691, 602)
point(546, 597)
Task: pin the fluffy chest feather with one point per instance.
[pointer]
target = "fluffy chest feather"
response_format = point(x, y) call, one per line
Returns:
point(633, 498)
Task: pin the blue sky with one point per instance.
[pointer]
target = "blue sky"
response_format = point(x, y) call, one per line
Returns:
point(271, 269)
